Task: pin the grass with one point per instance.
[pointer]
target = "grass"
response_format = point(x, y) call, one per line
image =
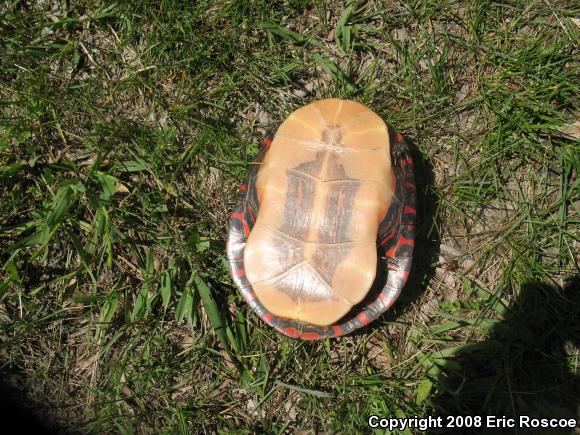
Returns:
point(124, 131)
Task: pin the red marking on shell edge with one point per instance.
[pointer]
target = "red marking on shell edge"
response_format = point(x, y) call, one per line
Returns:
point(363, 319)
point(241, 218)
point(388, 237)
point(268, 317)
point(290, 331)
point(407, 161)
point(337, 330)
point(267, 142)
point(309, 335)
point(409, 210)
point(409, 185)
point(240, 272)
point(404, 241)
point(399, 137)
point(243, 187)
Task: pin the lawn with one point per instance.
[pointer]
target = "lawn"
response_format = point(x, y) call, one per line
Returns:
point(125, 131)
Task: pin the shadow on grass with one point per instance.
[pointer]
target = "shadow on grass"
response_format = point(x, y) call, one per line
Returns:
point(18, 411)
point(528, 365)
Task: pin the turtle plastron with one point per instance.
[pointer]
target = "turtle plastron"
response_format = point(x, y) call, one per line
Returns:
point(303, 253)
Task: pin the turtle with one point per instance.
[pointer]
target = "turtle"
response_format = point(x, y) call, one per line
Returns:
point(321, 238)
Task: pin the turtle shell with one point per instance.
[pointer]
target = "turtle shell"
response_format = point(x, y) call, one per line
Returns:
point(321, 239)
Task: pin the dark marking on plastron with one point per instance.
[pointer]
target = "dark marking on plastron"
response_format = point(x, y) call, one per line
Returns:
point(289, 288)
point(339, 204)
point(313, 167)
point(287, 255)
point(295, 284)
point(332, 135)
point(337, 215)
point(300, 198)
point(327, 258)
point(335, 219)
point(335, 170)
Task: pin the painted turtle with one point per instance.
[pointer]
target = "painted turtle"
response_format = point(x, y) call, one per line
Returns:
point(322, 235)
